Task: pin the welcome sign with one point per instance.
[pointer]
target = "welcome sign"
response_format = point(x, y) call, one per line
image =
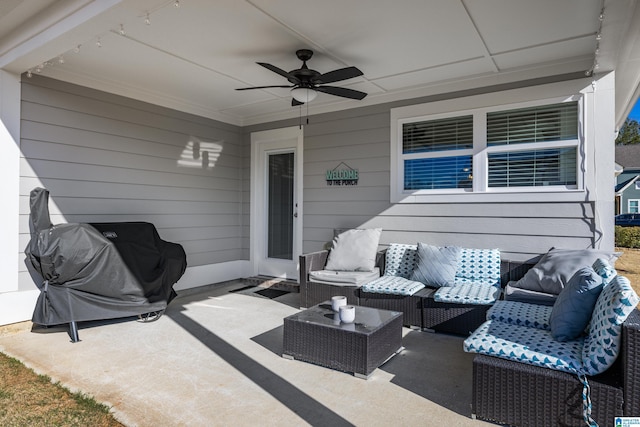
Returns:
point(342, 175)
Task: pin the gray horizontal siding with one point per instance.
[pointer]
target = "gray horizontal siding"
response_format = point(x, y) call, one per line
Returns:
point(107, 158)
point(64, 170)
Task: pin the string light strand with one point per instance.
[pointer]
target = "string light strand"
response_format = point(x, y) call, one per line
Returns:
point(595, 65)
point(60, 59)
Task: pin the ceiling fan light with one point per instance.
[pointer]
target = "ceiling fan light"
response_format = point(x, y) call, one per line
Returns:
point(303, 94)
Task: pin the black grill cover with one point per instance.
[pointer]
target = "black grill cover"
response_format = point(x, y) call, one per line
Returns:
point(99, 271)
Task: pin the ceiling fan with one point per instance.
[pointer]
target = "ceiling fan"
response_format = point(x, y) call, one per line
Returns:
point(306, 83)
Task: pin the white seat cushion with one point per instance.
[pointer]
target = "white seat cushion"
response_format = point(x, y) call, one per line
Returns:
point(344, 278)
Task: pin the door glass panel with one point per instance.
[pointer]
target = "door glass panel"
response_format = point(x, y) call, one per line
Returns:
point(280, 221)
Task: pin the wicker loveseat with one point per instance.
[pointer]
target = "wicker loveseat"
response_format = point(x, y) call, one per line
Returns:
point(527, 374)
point(420, 310)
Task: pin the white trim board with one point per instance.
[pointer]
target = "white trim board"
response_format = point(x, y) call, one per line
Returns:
point(258, 141)
point(21, 304)
point(633, 180)
point(203, 275)
point(10, 187)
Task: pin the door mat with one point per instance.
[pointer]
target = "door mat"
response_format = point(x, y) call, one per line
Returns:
point(271, 293)
point(263, 292)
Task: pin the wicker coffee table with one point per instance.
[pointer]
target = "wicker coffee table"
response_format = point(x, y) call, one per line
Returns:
point(317, 336)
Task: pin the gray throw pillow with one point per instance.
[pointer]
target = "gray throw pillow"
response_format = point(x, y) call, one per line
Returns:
point(572, 310)
point(555, 269)
point(436, 266)
point(354, 250)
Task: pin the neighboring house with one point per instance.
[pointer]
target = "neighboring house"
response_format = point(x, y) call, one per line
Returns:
point(488, 124)
point(627, 182)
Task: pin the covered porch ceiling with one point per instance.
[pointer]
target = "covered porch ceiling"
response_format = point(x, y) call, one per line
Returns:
point(191, 54)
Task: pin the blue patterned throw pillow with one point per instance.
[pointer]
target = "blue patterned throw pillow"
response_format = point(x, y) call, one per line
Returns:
point(478, 264)
point(601, 347)
point(436, 266)
point(400, 260)
point(572, 310)
point(604, 270)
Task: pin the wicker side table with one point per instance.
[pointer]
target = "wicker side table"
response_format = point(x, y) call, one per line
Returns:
point(317, 336)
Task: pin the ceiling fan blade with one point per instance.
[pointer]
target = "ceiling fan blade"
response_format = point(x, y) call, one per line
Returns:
point(293, 79)
point(341, 91)
point(338, 75)
point(260, 87)
point(295, 102)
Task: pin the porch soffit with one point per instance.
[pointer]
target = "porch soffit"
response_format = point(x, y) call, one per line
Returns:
point(192, 57)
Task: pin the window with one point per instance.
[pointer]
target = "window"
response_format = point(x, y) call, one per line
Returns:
point(637, 185)
point(522, 148)
point(437, 153)
point(634, 206)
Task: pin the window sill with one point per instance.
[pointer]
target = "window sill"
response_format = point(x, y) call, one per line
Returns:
point(496, 197)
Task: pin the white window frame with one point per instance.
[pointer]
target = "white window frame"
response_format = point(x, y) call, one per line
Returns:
point(481, 192)
point(629, 205)
point(637, 184)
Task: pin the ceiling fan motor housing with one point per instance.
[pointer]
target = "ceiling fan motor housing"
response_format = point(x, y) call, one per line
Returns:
point(304, 54)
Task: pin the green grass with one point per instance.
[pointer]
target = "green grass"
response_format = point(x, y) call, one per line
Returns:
point(29, 399)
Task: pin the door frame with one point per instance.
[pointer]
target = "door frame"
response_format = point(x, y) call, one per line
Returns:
point(283, 139)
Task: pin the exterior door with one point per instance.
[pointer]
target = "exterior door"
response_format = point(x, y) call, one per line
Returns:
point(276, 232)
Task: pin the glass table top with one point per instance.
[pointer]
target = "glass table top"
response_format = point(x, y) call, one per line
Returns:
point(367, 319)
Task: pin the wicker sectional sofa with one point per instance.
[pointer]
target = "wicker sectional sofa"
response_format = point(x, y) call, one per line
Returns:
point(507, 390)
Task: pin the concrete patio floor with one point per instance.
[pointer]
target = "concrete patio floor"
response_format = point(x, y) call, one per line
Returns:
point(214, 358)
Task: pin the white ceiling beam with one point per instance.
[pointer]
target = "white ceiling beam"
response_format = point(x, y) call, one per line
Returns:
point(486, 53)
point(48, 25)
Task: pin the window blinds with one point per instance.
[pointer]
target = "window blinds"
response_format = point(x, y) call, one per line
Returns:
point(556, 122)
point(533, 168)
point(455, 133)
